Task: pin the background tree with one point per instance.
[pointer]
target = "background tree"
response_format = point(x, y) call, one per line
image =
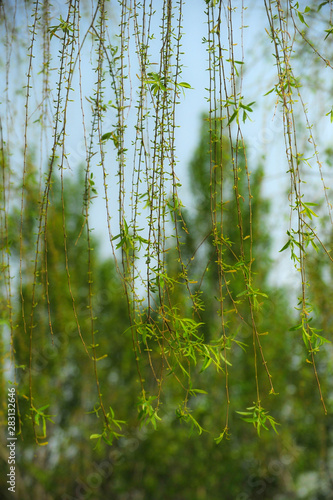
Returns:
point(137, 463)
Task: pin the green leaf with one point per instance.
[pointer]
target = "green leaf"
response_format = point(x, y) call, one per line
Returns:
point(206, 364)
point(301, 17)
point(285, 246)
point(307, 211)
point(296, 327)
point(322, 339)
point(102, 357)
point(247, 106)
point(331, 114)
point(273, 424)
point(225, 360)
point(329, 32)
point(106, 136)
point(233, 116)
point(40, 410)
point(270, 91)
point(322, 4)
point(199, 391)
point(185, 85)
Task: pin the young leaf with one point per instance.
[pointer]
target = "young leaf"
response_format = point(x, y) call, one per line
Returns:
point(285, 246)
point(185, 85)
point(106, 136)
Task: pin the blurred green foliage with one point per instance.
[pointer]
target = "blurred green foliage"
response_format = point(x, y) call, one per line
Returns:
point(171, 462)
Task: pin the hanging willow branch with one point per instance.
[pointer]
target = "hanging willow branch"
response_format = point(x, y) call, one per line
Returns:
point(126, 63)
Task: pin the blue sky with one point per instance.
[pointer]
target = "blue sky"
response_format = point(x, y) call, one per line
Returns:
point(263, 135)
